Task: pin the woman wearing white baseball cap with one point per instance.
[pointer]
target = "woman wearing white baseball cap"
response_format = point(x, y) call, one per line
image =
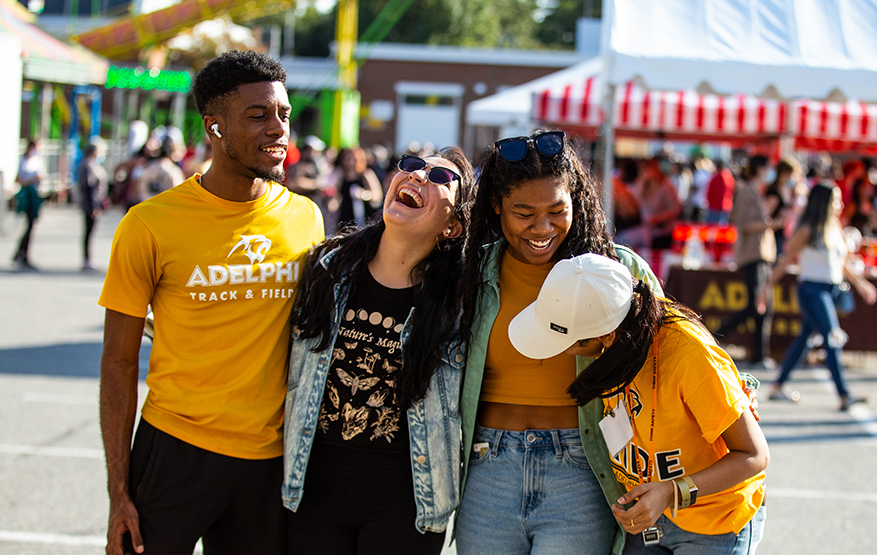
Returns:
point(676, 420)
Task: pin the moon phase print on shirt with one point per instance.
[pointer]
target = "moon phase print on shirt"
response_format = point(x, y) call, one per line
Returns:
point(360, 405)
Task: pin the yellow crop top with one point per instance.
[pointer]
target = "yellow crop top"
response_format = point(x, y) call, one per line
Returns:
point(509, 376)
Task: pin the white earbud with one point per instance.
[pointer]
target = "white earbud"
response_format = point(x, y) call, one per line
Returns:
point(215, 129)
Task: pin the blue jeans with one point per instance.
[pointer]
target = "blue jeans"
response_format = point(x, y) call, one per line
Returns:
point(532, 492)
point(680, 542)
point(717, 217)
point(818, 313)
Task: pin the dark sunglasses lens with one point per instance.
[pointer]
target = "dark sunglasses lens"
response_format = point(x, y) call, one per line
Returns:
point(440, 176)
point(513, 150)
point(549, 144)
point(411, 164)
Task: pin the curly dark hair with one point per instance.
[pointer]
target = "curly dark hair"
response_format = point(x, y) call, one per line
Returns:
point(497, 179)
point(223, 74)
point(435, 303)
point(617, 367)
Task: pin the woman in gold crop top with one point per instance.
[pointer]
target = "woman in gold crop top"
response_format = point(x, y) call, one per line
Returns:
point(538, 475)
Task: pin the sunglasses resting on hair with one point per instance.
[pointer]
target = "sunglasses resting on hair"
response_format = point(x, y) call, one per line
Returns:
point(513, 149)
point(436, 174)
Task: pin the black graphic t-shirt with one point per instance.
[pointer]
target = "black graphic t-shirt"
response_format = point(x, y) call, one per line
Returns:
point(360, 407)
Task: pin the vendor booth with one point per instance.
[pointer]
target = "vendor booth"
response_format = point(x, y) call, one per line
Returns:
point(715, 70)
point(807, 49)
point(59, 83)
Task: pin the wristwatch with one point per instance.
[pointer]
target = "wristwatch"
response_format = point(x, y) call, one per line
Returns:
point(688, 491)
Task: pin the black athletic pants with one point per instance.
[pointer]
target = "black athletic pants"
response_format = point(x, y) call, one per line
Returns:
point(183, 493)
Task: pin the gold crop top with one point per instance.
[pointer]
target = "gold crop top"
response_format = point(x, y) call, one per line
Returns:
point(509, 376)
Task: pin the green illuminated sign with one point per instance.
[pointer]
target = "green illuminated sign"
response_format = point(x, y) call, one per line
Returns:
point(149, 80)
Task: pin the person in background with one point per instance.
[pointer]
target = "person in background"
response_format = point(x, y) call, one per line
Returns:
point(372, 433)
point(720, 195)
point(860, 211)
point(850, 172)
point(627, 220)
point(31, 171)
point(125, 177)
point(777, 201)
point(91, 178)
point(659, 206)
point(754, 254)
point(824, 262)
point(218, 258)
point(680, 176)
point(359, 194)
point(309, 177)
point(693, 466)
point(702, 172)
point(159, 174)
point(199, 161)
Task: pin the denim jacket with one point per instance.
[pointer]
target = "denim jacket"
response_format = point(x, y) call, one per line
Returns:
point(433, 422)
point(589, 415)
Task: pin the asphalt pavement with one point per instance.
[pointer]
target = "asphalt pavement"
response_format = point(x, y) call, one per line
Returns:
point(820, 499)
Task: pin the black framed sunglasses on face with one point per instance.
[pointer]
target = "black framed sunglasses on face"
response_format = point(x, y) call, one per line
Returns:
point(513, 149)
point(435, 174)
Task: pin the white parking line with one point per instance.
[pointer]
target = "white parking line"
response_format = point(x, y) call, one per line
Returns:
point(63, 539)
point(51, 539)
point(822, 495)
point(74, 452)
point(61, 398)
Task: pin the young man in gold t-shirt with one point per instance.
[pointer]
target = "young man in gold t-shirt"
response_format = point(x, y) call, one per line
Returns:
point(218, 258)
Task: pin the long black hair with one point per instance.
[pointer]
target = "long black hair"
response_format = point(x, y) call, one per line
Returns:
point(815, 214)
point(617, 367)
point(497, 179)
point(436, 306)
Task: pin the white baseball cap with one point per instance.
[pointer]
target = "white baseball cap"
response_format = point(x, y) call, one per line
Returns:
point(583, 297)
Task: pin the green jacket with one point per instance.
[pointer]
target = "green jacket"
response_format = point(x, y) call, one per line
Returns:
point(589, 415)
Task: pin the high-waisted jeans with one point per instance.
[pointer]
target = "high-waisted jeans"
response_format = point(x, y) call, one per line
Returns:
point(532, 492)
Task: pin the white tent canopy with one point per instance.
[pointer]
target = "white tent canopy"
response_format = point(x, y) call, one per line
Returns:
point(512, 107)
point(801, 48)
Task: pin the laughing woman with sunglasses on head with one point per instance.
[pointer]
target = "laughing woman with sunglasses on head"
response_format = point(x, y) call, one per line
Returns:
point(372, 433)
point(539, 478)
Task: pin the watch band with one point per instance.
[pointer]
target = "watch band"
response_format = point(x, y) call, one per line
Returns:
point(692, 490)
point(684, 494)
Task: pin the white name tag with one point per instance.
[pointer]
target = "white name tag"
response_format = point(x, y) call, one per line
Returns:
point(617, 430)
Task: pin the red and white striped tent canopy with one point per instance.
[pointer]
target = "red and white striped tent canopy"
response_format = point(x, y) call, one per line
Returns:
point(577, 103)
point(834, 126)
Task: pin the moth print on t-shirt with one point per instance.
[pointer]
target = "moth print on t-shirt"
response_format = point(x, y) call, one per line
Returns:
point(360, 405)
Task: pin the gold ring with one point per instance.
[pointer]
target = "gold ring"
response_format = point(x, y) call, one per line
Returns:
point(631, 522)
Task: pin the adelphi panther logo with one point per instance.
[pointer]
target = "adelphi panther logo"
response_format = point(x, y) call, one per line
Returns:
point(255, 247)
point(267, 280)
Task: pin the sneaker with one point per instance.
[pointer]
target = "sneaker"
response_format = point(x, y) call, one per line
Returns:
point(847, 401)
point(23, 264)
point(780, 395)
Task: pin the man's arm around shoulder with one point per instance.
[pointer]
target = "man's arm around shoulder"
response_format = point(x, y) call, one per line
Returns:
point(119, 369)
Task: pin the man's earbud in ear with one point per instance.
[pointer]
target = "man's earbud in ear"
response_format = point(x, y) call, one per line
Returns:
point(215, 129)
